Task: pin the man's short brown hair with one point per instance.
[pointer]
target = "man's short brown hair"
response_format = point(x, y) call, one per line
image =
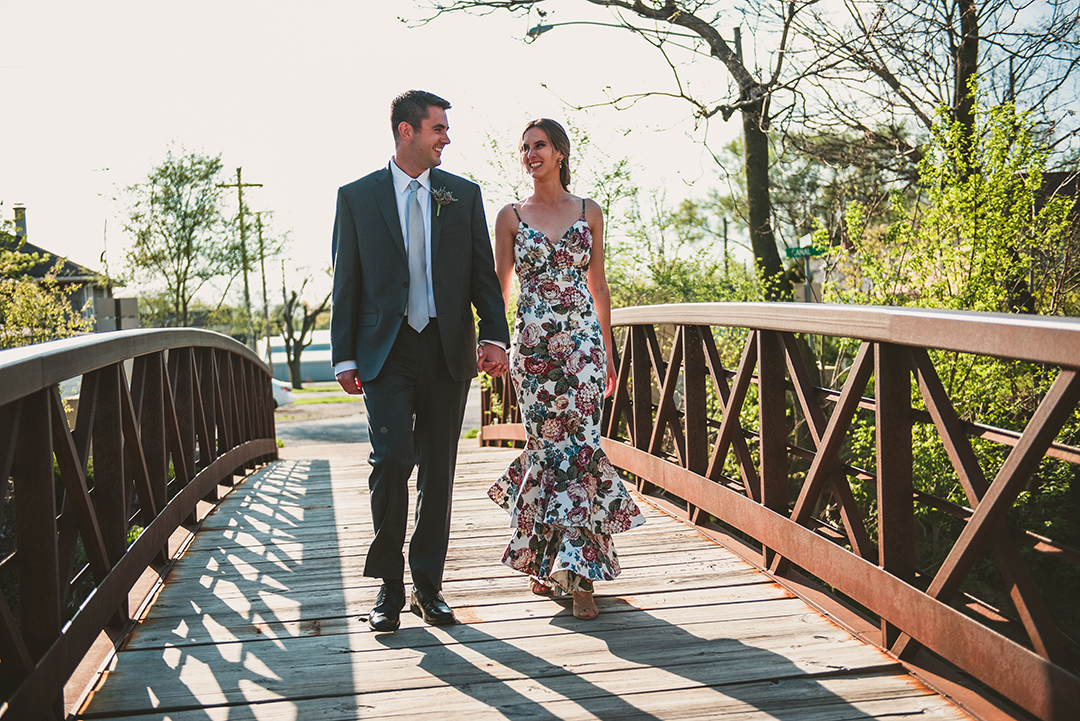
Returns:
point(412, 107)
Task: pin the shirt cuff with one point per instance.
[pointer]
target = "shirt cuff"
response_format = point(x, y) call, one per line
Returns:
point(498, 343)
point(347, 365)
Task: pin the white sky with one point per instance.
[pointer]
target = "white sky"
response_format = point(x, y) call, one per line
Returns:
point(298, 94)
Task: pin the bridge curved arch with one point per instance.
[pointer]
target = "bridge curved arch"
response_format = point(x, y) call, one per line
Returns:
point(163, 418)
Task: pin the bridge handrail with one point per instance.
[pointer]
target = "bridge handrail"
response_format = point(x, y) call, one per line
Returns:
point(1037, 339)
point(659, 428)
point(140, 456)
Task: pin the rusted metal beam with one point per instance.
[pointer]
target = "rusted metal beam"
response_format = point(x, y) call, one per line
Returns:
point(208, 447)
point(152, 428)
point(182, 403)
point(695, 415)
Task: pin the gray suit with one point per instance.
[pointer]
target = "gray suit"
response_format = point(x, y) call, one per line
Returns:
point(404, 372)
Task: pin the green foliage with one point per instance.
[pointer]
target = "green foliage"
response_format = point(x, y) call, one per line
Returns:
point(673, 255)
point(13, 264)
point(980, 235)
point(175, 220)
point(33, 311)
point(972, 238)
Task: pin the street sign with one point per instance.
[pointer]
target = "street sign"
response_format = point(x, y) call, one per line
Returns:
point(804, 252)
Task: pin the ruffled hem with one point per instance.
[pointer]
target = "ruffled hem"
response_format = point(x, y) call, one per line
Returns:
point(592, 499)
point(563, 556)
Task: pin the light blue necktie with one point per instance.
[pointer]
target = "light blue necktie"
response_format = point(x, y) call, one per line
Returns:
point(418, 300)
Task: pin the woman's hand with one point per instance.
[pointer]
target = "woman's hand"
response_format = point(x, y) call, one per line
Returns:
point(612, 378)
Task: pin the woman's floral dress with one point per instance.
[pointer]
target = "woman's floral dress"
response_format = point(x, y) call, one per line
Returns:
point(564, 497)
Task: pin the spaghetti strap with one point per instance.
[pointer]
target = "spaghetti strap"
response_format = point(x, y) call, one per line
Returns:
point(516, 213)
point(583, 207)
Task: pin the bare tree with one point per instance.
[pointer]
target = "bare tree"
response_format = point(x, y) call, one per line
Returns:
point(747, 90)
point(298, 321)
point(882, 65)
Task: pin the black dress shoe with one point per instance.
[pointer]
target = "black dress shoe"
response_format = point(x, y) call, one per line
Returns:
point(431, 607)
point(386, 615)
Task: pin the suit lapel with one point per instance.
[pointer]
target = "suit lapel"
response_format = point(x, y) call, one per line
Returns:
point(384, 196)
point(437, 182)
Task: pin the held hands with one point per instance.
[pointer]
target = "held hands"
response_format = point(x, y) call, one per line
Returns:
point(491, 359)
point(350, 382)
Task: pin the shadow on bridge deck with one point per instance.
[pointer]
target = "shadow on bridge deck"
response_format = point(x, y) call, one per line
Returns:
point(261, 619)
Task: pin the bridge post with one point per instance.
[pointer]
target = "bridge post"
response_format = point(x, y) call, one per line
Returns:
point(896, 519)
point(695, 413)
point(40, 584)
point(772, 411)
point(35, 519)
point(641, 377)
point(110, 481)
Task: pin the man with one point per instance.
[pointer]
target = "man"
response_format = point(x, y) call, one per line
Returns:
point(412, 257)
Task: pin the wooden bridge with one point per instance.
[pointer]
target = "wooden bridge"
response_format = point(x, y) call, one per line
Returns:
point(722, 608)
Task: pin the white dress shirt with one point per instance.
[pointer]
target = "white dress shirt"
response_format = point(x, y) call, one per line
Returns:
point(423, 196)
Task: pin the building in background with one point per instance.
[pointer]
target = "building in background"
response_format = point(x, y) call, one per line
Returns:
point(91, 292)
point(315, 366)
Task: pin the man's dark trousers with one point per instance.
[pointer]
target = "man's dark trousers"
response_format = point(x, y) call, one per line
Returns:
point(415, 410)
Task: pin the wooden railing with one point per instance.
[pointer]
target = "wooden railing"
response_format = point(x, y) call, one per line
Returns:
point(761, 445)
point(138, 459)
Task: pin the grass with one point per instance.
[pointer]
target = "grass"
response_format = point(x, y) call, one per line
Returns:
point(318, 388)
point(326, 399)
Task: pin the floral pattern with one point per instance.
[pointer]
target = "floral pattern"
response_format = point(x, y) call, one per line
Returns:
point(563, 494)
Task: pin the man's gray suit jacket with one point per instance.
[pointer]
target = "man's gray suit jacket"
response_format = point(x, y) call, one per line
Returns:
point(371, 274)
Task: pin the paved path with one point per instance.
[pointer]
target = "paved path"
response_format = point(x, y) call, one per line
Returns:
point(352, 428)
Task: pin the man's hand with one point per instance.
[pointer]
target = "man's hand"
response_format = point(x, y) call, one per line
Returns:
point(350, 382)
point(491, 359)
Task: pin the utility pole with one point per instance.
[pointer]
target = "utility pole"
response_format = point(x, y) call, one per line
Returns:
point(727, 275)
point(266, 300)
point(240, 185)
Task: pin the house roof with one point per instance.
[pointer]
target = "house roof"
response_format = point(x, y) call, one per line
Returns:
point(67, 272)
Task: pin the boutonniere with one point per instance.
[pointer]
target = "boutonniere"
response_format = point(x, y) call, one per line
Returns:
point(442, 197)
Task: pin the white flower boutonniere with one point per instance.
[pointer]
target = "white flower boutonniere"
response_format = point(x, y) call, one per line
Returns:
point(442, 197)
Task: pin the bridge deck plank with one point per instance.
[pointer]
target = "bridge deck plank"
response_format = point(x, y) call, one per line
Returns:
point(262, 618)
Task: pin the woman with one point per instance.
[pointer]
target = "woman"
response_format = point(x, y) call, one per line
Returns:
point(563, 495)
